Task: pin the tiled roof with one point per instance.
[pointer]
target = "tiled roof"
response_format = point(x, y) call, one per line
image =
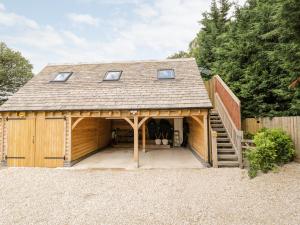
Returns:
point(138, 88)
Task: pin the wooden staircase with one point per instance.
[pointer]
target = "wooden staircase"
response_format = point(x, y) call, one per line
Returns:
point(226, 153)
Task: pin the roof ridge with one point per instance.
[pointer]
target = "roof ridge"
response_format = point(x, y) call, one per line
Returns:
point(121, 61)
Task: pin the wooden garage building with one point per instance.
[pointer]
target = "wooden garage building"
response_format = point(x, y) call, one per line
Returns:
point(67, 112)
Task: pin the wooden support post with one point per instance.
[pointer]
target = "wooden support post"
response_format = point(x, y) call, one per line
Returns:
point(205, 138)
point(214, 149)
point(144, 137)
point(136, 140)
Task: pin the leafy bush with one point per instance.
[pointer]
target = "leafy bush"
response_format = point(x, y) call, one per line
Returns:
point(248, 135)
point(273, 148)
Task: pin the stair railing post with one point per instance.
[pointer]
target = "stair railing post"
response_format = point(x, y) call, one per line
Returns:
point(214, 149)
point(239, 147)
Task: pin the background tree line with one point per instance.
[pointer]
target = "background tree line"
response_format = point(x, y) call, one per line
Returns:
point(15, 71)
point(256, 50)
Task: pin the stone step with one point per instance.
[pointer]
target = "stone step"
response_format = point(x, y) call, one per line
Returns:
point(228, 163)
point(228, 157)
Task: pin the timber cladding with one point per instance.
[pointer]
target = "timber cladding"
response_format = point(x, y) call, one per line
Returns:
point(35, 142)
point(89, 135)
point(196, 138)
point(59, 138)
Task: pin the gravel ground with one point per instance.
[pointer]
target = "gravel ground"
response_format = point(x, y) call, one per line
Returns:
point(179, 196)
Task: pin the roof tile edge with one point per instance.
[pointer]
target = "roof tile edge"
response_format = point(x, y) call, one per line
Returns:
point(120, 62)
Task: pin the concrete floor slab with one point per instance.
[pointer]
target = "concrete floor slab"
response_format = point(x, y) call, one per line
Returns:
point(120, 158)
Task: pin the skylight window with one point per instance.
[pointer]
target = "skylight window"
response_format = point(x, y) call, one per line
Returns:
point(166, 74)
point(113, 75)
point(63, 76)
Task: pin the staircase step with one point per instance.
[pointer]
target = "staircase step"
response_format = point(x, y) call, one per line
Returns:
point(215, 122)
point(219, 130)
point(222, 135)
point(224, 145)
point(226, 151)
point(223, 139)
point(228, 157)
point(228, 163)
point(214, 114)
point(216, 125)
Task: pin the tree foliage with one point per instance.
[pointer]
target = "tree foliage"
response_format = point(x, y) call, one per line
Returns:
point(15, 71)
point(180, 54)
point(256, 51)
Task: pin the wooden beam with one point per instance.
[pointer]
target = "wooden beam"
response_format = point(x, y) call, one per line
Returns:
point(144, 136)
point(198, 120)
point(136, 140)
point(129, 121)
point(77, 122)
point(143, 121)
point(205, 137)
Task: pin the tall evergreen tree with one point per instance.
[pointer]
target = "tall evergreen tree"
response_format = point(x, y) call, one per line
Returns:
point(213, 24)
point(257, 59)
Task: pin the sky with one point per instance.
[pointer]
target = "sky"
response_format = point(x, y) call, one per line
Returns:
point(76, 31)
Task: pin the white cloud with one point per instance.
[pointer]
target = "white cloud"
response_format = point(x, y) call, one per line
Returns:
point(44, 38)
point(146, 11)
point(2, 7)
point(75, 39)
point(83, 19)
point(157, 30)
point(167, 25)
point(12, 19)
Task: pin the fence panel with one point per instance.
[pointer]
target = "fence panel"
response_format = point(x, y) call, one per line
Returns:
point(290, 124)
point(210, 87)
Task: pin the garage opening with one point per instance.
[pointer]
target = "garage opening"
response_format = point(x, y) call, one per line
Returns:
point(116, 137)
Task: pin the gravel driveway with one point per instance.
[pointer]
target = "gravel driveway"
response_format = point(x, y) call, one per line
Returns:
point(178, 196)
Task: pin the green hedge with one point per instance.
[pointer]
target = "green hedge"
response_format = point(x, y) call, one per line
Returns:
point(273, 148)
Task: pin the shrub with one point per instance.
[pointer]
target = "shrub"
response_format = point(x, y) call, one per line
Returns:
point(273, 148)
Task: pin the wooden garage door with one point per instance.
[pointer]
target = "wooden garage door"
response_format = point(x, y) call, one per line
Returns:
point(49, 142)
point(20, 143)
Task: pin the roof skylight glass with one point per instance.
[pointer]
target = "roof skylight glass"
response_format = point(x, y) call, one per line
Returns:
point(113, 75)
point(166, 74)
point(63, 76)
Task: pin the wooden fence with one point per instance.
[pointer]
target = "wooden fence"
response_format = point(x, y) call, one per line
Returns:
point(291, 125)
point(210, 87)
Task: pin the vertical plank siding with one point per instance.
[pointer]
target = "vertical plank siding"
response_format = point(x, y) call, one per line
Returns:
point(196, 138)
point(291, 125)
point(210, 88)
point(89, 135)
point(50, 142)
point(21, 145)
